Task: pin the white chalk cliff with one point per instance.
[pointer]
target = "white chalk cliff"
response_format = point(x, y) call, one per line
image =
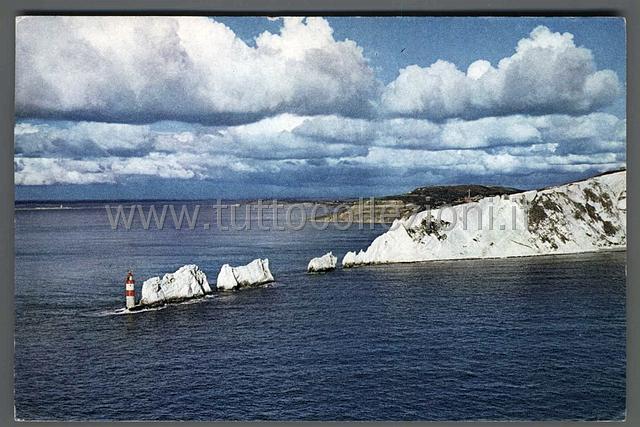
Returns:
point(188, 282)
point(255, 273)
point(326, 262)
point(583, 216)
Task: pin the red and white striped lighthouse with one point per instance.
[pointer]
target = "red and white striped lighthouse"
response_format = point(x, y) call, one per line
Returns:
point(130, 291)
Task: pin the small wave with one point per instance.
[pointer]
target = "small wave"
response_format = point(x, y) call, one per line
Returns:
point(55, 208)
point(467, 373)
point(191, 301)
point(123, 311)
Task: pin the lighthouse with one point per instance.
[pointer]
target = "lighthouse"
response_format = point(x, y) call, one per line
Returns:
point(130, 292)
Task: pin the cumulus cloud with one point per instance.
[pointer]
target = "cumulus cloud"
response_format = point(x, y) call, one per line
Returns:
point(288, 148)
point(47, 171)
point(145, 69)
point(194, 69)
point(547, 74)
point(270, 138)
point(180, 99)
point(81, 139)
point(591, 133)
point(455, 163)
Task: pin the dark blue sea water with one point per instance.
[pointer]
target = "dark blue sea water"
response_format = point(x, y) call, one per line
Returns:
point(529, 338)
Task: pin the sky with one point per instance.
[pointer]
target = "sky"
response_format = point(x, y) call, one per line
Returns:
point(248, 107)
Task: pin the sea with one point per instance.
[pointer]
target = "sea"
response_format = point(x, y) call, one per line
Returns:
point(536, 338)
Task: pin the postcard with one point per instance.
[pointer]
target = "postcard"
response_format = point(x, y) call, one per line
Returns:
point(320, 218)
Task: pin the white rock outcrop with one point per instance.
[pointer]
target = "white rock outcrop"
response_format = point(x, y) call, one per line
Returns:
point(326, 262)
point(188, 282)
point(583, 216)
point(255, 273)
